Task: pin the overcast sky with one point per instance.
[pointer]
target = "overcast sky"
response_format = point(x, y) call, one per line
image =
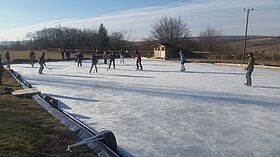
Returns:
point(19, 17)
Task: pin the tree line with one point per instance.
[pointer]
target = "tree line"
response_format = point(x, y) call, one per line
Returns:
point(172, 30)
point(75, 38)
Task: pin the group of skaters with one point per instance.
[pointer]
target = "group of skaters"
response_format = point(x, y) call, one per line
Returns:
point(78, 57)
point(111, 57)
point(249, 68)
point(66, 53)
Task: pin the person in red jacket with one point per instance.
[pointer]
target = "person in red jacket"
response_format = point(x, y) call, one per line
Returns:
point(138, 60)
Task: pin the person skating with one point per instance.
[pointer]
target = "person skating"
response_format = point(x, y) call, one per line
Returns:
point(32, 58)
point(112, 60)
point(105, 56)
point(68, 55)
point(80, 57)
point(121, 57)
point(76, 57)
point(182, 60)
point(62, 54)
point(138, 60)
point(1, 70)
point(250, 69)
point(8, 58)
point(42, 63)
point(94, 61)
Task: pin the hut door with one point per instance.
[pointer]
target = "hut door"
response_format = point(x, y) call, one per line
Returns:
point(162, 52)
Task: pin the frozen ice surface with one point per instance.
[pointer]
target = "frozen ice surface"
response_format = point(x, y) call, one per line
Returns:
point(206, 111)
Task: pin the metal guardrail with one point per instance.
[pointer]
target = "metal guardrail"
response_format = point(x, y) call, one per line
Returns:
point(79, 128)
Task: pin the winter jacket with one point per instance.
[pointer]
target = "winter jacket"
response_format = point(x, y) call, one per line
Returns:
point(251, 63)
point(68, 53)
point(7, 56)
point(94, 59)
point(138, 56)
point(42, 60)
point(32, 55)
point(112, 56)
point(80, 56)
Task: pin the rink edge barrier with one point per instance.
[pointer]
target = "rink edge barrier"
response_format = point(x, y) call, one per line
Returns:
point(82, 130)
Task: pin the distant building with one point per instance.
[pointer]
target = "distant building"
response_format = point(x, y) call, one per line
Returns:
point(165, 51)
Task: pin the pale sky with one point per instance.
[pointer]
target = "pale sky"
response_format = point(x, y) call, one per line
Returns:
point(18, 17)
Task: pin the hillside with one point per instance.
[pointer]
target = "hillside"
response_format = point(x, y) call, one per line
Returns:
point(267, 45)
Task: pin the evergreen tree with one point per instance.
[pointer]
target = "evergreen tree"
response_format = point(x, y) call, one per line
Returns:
point(102, 38)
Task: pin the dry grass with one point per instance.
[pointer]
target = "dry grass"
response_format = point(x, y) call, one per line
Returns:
point(22, 55)
point(267, 45)
point(27, 130)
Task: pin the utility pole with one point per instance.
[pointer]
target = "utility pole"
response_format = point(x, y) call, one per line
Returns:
point(246, 32)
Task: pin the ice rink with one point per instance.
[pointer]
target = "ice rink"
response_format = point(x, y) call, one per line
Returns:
point(161, 112)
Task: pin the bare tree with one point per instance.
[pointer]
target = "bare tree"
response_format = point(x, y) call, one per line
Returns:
point(120, 40)
point(170, 30)
point(210, 39)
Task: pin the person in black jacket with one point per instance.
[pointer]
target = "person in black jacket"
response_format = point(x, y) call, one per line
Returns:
point(8, 58)
point(94, 61)
point(112, 60)
point(250, 69)
point(42, 63)
point(68, 55)
point(80, 57)
point(62, 54)
point(32, 57)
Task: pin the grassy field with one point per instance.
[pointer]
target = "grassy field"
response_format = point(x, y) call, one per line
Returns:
point(267, 45)
point(54, 55)
point(27, 130)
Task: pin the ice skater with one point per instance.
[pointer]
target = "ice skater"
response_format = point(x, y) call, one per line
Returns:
point(250, 69)
point(1, 70)
point(121, 57)
point(182, 60)
point(94, 61)
point(105, 56)
point(112, 60)
point(68, 55)
point(32, 57)
point(8, 58)
point(62, 54)
point(42, 63)
point(138, 60)
point(80, 57)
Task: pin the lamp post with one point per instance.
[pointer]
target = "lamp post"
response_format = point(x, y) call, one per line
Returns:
point(246, 32)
